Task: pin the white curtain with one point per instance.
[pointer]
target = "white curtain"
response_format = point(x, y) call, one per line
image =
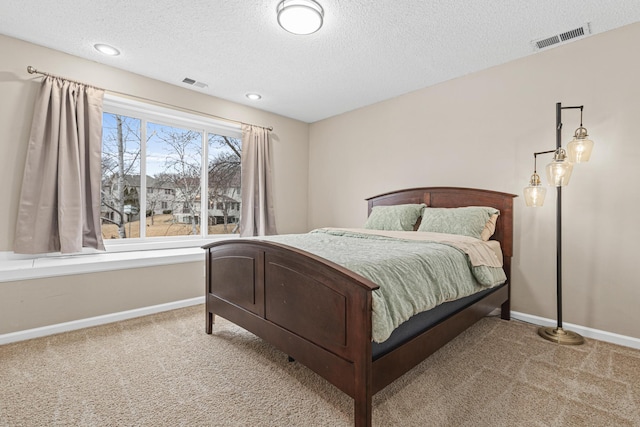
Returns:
point(257, 213)
point(59, 207)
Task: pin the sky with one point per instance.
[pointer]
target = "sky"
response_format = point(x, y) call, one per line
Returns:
point(166, 145)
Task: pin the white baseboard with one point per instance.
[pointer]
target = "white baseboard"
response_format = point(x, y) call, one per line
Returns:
point(95, 321)
point(596, 334)
point(130, 314)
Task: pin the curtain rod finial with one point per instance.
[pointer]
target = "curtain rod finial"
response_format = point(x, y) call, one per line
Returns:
point(31, 70)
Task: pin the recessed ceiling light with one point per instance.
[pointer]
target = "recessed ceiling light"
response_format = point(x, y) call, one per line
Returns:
point(300, 16)
point(254, 96)
point(106, 49)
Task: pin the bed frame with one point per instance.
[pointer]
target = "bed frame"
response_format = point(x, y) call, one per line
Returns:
point(319, 313)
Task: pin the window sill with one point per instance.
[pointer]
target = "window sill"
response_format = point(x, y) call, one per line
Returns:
point(12, 269)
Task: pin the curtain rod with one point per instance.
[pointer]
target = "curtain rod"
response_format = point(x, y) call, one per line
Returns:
point(33, 70)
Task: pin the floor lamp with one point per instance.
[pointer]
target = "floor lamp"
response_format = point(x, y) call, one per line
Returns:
point(558, 174)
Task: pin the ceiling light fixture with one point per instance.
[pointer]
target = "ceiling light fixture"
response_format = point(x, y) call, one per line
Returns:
point(300, 16)
point(106, 49)
point(254, 96)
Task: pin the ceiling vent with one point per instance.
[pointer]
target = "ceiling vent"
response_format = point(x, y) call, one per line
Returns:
point(557, 39)
point(195, 83)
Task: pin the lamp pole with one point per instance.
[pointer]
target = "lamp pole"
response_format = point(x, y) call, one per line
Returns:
point(559, 221)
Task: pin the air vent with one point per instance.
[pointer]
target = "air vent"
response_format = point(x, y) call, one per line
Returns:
point(541, 44)
point(578, 32)
point(547, 42)
point(195, 83)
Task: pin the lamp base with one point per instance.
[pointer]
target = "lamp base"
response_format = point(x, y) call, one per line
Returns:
point(560, 336)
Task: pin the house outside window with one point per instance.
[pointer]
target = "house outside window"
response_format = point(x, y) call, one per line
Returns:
point(158, 165)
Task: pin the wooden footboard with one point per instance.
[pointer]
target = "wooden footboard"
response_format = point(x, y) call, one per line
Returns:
point(311, 309)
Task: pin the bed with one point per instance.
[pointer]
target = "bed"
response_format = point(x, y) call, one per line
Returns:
point(320, 313)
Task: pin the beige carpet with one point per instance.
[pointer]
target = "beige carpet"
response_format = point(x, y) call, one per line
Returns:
point(163, 370)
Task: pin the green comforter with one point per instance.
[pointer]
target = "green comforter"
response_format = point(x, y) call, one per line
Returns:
point(413, 276)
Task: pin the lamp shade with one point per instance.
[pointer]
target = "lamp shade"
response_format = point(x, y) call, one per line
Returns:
point(579, 149)
point(535, 192)
point(559, 170)
point(300, 16)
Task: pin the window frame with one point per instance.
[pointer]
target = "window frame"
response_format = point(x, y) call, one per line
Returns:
point(157, 114)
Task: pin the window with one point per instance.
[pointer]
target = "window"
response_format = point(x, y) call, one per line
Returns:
point(164, 163)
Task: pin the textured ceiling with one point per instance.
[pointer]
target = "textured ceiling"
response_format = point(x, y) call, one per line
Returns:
point(366, 51)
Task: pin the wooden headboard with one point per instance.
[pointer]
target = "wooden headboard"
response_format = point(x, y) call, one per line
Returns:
point(455, 197)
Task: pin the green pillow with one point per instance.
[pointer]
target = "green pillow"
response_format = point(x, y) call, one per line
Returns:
point(395, 218)
point(468, 221)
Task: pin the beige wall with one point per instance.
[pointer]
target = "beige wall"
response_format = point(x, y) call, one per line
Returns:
point(27, 304)
point(86, 295)
point(481, 131)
